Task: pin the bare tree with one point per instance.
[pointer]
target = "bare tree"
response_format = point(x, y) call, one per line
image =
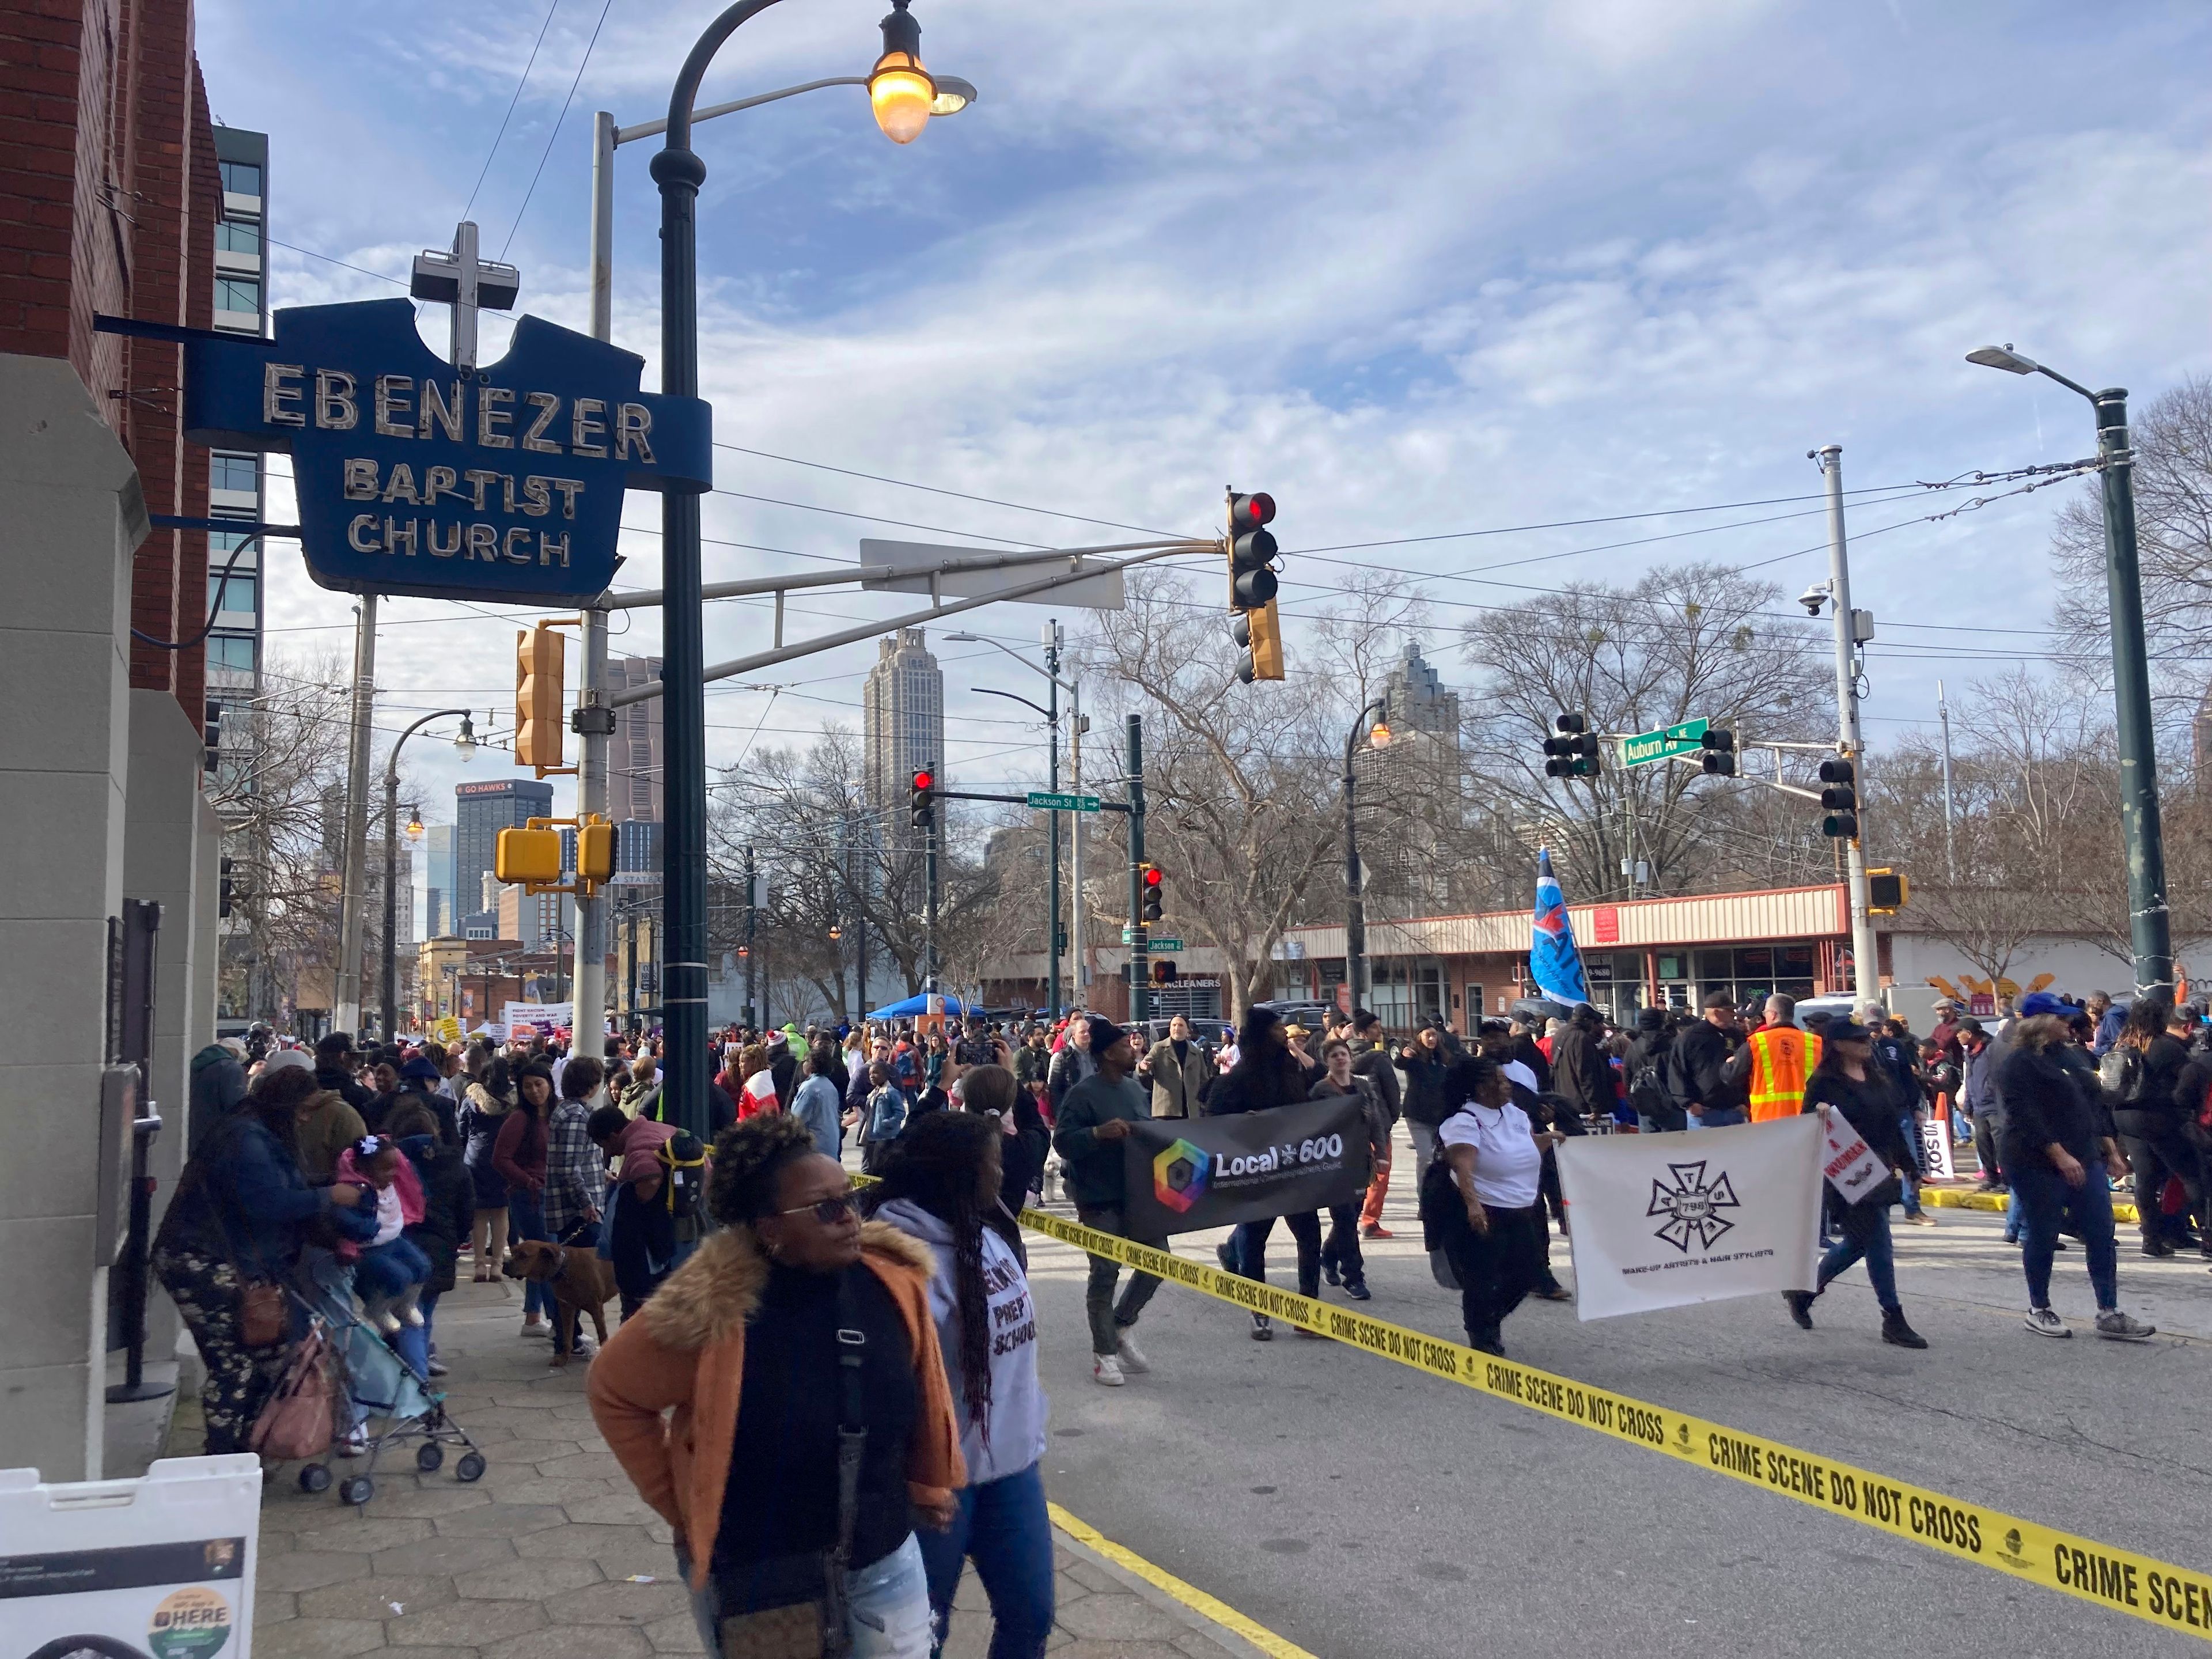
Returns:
point(1688, 642)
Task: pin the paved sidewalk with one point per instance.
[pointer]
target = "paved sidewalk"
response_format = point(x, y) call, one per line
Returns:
point(550, 1554)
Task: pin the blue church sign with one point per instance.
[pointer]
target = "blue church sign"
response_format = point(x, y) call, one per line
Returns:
point(500, 483)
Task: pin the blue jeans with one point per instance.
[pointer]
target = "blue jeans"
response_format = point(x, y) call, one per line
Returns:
point(1865, 1230)
point(389, 1269)
point(1719, 1117)
point(888, 1602)
point(1004, 1529)
point(2048, 1203)
point(526, 1218)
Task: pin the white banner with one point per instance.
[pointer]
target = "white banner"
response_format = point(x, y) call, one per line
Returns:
point(540, 1016)
point(1665, 1220)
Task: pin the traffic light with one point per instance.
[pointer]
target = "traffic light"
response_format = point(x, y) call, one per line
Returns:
point(1256, 626)
point(228, 893)
point(1839, 799)
point(1154, 893)
point(213, 733)
point(1889, 891)
point(540, 656)
point(1717, 754)
point(595, 853)
point(1163, 973)
point(1572, 750)
point(925, 780)
point(531, 855)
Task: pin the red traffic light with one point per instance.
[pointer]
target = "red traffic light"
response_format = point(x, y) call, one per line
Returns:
point(1152, 876)
point(925, 780)
point(1251, 511)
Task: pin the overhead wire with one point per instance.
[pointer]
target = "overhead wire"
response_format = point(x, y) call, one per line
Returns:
point(501, 135)
point(557, 121)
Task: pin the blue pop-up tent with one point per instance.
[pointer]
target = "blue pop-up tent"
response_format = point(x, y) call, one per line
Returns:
point(913, 1005)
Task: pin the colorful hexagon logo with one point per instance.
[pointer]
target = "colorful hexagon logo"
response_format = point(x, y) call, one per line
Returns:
point(1179, 1175)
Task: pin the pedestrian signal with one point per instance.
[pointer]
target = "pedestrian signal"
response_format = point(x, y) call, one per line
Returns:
point(1572, 749)
point(1889, 891)
point(595, 853)
point(924, 782)
point(539, 656)
point(1259, 637)
point(1163, 973)
point(1717, 754)
point(530, 855)
point(1153, 892)
point(1839, 799)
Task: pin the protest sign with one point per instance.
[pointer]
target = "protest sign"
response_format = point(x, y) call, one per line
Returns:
point(1184, 1174)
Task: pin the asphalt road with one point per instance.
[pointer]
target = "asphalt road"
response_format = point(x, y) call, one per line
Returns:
point(1359, 1508)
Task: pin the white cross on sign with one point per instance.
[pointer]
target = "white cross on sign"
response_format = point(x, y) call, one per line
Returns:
point(463, 281)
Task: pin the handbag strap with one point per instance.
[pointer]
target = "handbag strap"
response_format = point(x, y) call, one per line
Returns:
point(852, 1418)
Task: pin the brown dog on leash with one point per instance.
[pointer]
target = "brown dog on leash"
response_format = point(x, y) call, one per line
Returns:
point(581, 1283)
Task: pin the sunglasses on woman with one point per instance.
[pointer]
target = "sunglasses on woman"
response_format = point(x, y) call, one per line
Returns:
point(829, 1212)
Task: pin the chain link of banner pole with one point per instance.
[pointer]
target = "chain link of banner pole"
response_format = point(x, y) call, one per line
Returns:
point(2172, 1597)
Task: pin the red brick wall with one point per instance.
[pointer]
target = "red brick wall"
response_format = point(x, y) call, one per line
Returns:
point(109, 194)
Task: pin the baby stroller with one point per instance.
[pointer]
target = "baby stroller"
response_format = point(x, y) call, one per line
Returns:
point(376, 1383)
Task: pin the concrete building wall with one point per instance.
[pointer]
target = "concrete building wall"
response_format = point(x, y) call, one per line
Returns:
point(70, 517)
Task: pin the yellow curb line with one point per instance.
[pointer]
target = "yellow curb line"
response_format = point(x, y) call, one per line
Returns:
point(1944, 1198)
point(1189, 1595)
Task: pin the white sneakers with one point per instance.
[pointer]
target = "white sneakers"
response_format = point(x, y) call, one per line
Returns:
point(1106, 1372)
point(2112, 1324)
point(2045, 1322)
point(1131, 1355)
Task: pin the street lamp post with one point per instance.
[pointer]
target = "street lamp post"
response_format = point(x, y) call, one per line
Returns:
point(902, 94)
point(2148, 923)
point(1355, 902)
point(466, 744)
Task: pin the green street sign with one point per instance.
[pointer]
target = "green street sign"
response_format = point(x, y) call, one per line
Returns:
point(1159, 944)
point(1658, 745)
point(1046, 801)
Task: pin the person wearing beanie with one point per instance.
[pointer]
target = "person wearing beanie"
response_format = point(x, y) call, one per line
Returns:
point(1092, 1123)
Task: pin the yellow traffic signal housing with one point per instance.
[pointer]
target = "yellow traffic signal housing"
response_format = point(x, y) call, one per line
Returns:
point(1889, 891)
point(1260, 631)
point(595, 853)
point(530, 855)
point(540, 657)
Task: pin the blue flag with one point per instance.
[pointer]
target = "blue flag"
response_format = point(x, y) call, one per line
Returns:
point(1553, 963)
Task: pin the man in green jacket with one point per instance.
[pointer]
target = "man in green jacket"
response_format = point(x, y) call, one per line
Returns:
point(1094, 1120)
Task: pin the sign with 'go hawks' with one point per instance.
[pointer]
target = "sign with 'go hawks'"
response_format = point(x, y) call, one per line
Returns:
point(504, 482)
point(1184, 1174)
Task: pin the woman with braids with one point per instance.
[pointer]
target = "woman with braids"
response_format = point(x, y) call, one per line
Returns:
point(741, 1346)
point(942, 1184)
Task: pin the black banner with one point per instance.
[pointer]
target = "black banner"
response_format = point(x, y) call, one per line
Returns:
point(1184, 1174)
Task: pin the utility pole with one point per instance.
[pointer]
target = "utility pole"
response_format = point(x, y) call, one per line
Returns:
point(864, 855)
point(752, 923)
point(1079, 962)
point(1866, 976)
point(1950, 818)
point(1052, 818)
point(1140, 991)
point(347, 1014)
point(1355, 900)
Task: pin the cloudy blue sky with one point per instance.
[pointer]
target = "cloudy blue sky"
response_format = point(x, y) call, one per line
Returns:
point(1420, 268)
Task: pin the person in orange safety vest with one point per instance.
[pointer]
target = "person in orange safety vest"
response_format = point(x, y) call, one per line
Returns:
point(1774, 1063)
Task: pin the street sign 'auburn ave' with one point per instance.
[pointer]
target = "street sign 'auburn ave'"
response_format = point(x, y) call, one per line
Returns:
point(1658, 745)
point(504, 482)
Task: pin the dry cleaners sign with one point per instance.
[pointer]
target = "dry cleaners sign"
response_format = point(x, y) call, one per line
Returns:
point(504, 482)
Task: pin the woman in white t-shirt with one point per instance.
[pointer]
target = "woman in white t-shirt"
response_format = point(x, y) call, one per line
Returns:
point(1496, 1159)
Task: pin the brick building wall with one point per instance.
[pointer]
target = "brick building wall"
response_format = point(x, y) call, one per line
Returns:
point(109, 193)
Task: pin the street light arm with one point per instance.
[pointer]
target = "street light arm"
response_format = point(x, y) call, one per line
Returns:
point(391, 766)
point(985, 690)
point(1378, 706)
point(685, 92)
point(649, 129)
point(2071, 385)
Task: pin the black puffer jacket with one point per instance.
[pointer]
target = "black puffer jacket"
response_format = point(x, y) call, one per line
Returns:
point(449, 1206)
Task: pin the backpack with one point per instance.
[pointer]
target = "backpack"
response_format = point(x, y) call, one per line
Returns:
point(2121, 1073)
point(682, 1158)
point(1647, 1093)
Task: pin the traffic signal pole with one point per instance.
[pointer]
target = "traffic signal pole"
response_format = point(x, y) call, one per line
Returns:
point(1052, 821)
point(1140, 995)
point(1866, 975)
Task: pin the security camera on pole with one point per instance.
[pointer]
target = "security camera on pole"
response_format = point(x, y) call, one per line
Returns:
point(1847, 773)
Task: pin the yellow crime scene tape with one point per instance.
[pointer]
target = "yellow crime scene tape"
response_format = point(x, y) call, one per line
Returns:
point(2174, 1598)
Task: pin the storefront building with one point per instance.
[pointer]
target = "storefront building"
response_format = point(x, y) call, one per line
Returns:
point(1664, 952)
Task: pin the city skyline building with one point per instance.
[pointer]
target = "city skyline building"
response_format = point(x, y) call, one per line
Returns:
point(901, 717)
point(636, 780)
point(1412, 784)
point(481, 811)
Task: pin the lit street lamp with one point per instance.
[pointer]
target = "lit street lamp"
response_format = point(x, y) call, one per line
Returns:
point(2144, 846)
point(466, 743)
point(678, 170)
point(1355, 902)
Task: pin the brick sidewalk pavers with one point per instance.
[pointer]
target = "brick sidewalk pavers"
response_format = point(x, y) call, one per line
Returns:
point(538, 1560)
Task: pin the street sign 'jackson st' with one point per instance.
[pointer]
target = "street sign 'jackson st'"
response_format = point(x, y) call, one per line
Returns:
point(504, 482)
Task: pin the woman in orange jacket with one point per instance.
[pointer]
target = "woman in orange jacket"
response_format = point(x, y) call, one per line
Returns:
point(744, 1343)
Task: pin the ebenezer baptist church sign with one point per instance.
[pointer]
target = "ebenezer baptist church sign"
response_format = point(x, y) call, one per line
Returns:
point(415, 475)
